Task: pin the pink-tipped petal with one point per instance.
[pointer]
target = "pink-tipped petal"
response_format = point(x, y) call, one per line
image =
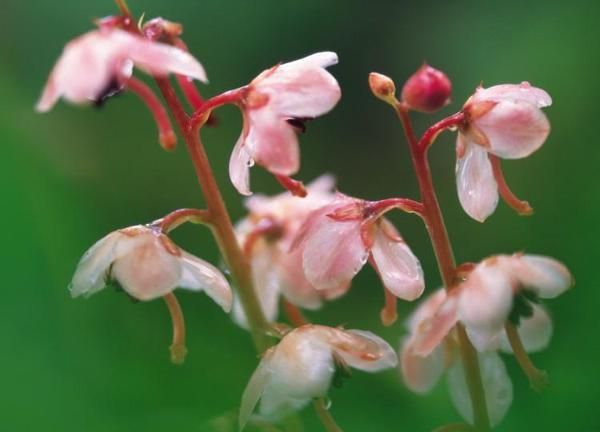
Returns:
point(333, 253)
point(477, 188)
point(535, 332)
point(302, 88)
point(272, 142)
point(433, 330)
point(363, 350)
point(514, 129)
point(524, 92)
point(496, 385)
point(198, 275)
point(239, 168)
point(254, 391)
point(546, 276)
point(398, 267)
point(420, 374)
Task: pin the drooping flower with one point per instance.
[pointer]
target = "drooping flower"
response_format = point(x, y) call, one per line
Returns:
point(504, 121)
point(339, 238)
point(96, 64)
point(421, 371)
point(274, 101)
point(501, 284)
point(147, 265)
point(301, 367)
point(265, 236)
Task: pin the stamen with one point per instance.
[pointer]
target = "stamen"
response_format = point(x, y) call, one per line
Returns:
point(294, 314)
point(294, 186)
point(520, 206)
point(177, 348)
point(389, 313)
point(166, 135)
point(538, 379)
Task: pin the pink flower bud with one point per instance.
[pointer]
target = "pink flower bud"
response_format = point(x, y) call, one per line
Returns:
point(382, 86)
point(427, 90)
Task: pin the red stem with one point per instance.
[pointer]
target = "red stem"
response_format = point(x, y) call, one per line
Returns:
point(222, 225)
point(181, 216)
point(520, 206)
point(443, 250)
point(294, 314)
point(166, 136)
point(201, 115)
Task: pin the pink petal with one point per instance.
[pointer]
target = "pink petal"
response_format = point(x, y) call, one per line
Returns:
point(303, 88)
point(272, 142)
point(92, 270)
point(515, 92)
point(398, 267)
point(485, 300)
point(535, 332)
point(432, 331)
point(496, 385)
point(239, 168)
point(546, 276)
point(294, 285)
point(334, 252)
point(477, 188)
point(426, 309)
point(514, 129)
point(420, 374)
point(199, 275)
point(362, 349)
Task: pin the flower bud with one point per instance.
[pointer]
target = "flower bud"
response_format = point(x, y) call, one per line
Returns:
point(382, 86)
point(427, 90)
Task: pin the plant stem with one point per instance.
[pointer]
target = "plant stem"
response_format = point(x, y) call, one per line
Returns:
point(222, 226)
point(432, 215)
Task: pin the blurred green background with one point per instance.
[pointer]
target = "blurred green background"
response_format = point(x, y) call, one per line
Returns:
point(75, 174)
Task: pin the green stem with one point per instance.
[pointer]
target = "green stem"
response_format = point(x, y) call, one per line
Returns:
point(434, 221)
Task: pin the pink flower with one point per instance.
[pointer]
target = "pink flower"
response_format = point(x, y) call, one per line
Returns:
point(421, 371)
point(338, 239)
point(98, 62)
point(505, 121)
point(301, 367)
point(499, 284)
point(294, 91)
point(427, 90)
point(148, 265)
point(266, 234)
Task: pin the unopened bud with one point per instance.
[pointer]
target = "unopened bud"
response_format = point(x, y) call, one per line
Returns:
point(382, 87)
point(427, 90)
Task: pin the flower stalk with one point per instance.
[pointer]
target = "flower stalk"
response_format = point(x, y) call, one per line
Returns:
point(432, 215)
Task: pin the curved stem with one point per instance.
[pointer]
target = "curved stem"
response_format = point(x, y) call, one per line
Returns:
point(166, 136)
point(443, 251)
point(521, 207)
point(177, 348)
point(181, 216)
point(222, 226)
point(537, 378)
point(325, 416)
point(294, 314)
point(202, 114)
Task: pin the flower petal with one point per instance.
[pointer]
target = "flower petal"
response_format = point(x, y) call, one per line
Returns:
point(272, 142)
point(92, 270)
point(496, 385)
point(524, 92)
point(477, 188)
point(547, 276)
point(514, 129)
point(199, 275)
point(420, 374)
point(398, 267)
point(535, 332)
point(302, 88)
point(363, 350)
point(432, 331)
point(254, 391)
point(239, 167)
point(334, 252)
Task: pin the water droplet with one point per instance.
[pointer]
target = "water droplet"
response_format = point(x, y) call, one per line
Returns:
point(327, 403)
point(250, 163)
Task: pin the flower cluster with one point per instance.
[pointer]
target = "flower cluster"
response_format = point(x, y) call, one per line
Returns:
point(305, 245)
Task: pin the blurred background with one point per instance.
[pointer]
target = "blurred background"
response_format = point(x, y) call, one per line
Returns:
point(75, 174)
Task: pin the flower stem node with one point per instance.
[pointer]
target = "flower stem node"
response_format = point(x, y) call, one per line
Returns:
point(427, 90)
point(383, 87)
